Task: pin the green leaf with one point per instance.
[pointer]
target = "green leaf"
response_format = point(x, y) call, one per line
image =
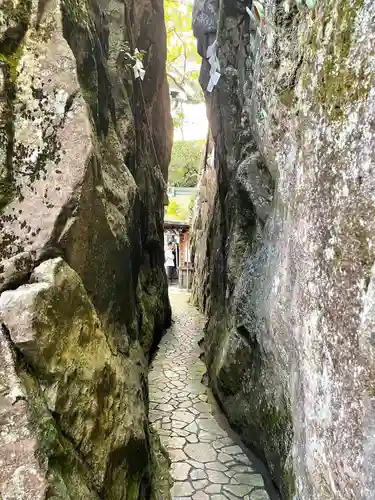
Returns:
point(182, 52)
point(185, 163)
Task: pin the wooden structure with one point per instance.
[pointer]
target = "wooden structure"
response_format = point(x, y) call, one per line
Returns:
point(179, 232)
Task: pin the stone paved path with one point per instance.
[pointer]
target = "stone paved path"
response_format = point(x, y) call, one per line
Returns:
point(206, 463)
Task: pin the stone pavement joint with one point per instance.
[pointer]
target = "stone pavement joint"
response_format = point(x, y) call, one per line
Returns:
point(206, 463)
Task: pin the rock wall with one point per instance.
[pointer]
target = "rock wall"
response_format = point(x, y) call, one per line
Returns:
point(284, 251)
point(84, 151)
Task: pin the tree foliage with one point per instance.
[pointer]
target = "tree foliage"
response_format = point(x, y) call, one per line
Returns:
point(186, 160)
point(183, 60)
point(180, 209)
point(174, 210)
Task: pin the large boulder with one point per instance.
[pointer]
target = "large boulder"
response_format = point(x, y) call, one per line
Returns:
point(286, 277)
point(84, 151)
point(86, 406)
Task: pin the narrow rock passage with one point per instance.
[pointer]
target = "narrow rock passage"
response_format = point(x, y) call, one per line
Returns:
point(206, 462)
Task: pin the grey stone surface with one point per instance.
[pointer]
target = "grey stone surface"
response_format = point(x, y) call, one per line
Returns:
point(284, 240)
point(258, 495)
point(180, 471)
point(196, 468)
point(82, 282)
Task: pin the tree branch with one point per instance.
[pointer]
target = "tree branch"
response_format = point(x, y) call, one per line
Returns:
point(192, 100)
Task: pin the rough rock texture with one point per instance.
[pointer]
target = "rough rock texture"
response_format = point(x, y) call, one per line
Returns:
point(285, 240)
point(83, 160)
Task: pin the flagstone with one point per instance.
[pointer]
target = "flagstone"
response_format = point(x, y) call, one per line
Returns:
point(206, 464)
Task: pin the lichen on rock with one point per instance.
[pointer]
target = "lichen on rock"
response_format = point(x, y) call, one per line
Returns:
point(79, 391)
point(81, 246)
point(284, 243)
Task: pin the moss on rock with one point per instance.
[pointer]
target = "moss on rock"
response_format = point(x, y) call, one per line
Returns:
point(68, 475)
point(339, 84)
point(239, 375)
point(66, 190)
point(86, 406)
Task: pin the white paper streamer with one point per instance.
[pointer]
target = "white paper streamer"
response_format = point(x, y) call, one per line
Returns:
point(270, 39)
point(251, 15)
point(215, 66)
point(139, 71)
point(211, 50)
